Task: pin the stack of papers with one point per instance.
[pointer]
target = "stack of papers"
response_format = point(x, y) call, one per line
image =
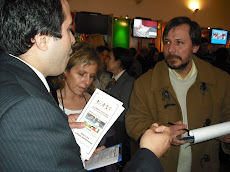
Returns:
point(105, 157)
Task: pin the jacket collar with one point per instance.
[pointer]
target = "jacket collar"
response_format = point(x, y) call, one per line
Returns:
point(123, 77)
point(20, 69)
point(39, 74)
point(205, 71)
point(160, 73)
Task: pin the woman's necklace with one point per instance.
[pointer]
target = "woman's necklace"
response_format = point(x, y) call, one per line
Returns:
point(62, 102)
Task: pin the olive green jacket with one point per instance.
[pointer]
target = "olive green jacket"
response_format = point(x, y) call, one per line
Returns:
point(207, 99)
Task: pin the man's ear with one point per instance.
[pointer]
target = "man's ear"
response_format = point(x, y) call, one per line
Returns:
point(195, 48)
point(119, 62)
point(41, 41)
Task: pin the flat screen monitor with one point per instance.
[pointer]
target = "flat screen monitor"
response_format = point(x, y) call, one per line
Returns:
point(143, 28)
point(90, 23)
point(219, 36)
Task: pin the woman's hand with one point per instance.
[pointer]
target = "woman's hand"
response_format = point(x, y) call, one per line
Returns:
point(72, 121)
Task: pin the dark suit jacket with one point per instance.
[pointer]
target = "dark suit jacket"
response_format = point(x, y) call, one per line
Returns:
point(144, 161)
point(34, 132)
point(121, 90)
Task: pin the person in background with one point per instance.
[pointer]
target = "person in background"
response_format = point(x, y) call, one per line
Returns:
point(161, 56)
point(103, 76)
point(203, 52)
point(151, 45)
point(120, 87)
point(221, 56)
point(186, 91)
point(135, 69)
point(36, 40)
point(103, 53)
point(152, 58)
point(95, 40)
point(142, 58)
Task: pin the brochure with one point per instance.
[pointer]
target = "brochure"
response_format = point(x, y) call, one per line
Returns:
point(105, 157)
point(99, 114)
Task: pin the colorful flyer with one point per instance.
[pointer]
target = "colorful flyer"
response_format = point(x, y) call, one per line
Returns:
point(99, 114)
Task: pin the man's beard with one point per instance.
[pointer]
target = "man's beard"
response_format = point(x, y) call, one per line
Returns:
point(180, 67)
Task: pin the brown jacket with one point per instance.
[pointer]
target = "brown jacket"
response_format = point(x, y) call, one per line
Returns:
point(207, 98)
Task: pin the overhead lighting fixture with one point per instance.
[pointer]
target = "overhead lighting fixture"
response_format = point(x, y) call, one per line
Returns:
point(195, 11)
point(194, 6)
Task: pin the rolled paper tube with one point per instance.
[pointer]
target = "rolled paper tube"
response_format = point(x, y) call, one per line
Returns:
point(210, 132)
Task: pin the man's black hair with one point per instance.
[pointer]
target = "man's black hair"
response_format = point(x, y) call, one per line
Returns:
point(21, 20)
point(195, 31)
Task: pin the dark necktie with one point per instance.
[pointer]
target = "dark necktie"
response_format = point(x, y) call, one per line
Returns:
point(111, 82)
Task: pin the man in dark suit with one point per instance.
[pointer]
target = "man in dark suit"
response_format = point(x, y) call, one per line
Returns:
point(35, 42)
point(120, 87)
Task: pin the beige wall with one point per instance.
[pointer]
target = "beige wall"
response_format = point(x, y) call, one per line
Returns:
point(213, 13)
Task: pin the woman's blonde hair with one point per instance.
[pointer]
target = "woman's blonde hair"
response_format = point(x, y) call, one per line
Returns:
point(83, 53)
point(95, 40)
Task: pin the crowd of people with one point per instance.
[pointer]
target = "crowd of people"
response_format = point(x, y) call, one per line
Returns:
point(182, 90)
point(47, 78)
point(215, 55)
point(35, 133)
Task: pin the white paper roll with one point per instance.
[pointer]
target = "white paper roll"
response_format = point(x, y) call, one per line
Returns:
point(210, 132)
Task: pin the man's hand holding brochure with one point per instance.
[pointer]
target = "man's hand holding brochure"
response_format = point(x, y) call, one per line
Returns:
point(99, 114)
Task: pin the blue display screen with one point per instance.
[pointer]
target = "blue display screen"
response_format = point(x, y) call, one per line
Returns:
point(219, 36)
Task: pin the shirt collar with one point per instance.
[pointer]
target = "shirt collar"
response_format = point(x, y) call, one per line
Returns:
point(116, 77)
point(188, 76)
point(39, 74)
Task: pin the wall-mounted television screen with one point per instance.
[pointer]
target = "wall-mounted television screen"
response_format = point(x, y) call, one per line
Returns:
point(144, 28)
point(219, 36)
point(90, 23)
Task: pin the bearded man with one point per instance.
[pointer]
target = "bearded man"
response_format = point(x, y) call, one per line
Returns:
point(186, 91)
